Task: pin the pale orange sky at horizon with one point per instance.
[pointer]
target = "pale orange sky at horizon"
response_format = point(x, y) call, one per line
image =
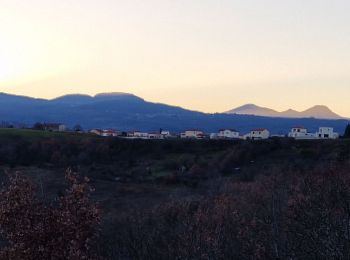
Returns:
point(206, 55)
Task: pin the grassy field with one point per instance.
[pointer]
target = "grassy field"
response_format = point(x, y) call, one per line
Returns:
point(31, 134)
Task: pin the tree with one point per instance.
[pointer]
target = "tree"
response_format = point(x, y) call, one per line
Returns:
point(77, 128)
point(347, 132)
point(38, 126)
point(35, 230)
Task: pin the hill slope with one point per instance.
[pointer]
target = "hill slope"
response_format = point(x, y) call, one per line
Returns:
point(321, 112)
point(129, 112)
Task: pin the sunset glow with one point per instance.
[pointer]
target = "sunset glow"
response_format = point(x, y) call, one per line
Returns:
point(204, 55)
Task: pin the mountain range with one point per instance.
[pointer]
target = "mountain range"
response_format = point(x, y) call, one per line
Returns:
point(125, 111)
point(319, 111)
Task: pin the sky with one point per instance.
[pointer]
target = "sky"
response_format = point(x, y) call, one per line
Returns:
point(207, 55)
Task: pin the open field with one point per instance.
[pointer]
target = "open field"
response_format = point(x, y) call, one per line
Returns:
point(29, 133)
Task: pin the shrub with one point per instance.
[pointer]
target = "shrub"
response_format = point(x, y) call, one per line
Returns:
point(34, 230)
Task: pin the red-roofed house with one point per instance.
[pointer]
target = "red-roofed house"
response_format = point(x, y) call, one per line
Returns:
point(193, 133)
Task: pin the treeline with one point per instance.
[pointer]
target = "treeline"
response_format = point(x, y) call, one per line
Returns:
point(63, 151)
point(185, 162)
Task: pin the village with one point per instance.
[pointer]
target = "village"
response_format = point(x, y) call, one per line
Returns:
point(297, 132)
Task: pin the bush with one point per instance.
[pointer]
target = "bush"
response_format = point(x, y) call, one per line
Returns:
point(65, 229)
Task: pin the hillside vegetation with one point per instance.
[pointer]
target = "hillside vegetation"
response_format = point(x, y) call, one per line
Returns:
point(188, 199)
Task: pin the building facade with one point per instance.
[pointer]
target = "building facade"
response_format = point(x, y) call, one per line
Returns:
point(301, 133)
point(193, 133)
point(326, 133)
point(258, 134)
point(228, 134)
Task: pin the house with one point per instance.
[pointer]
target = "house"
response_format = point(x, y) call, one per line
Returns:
point(326, 133)
point(155, 136)
point(300, 133)
point(110, 133)
point(165, 134)
point(130, 134)
point(228, 134)
point(214, 136)
point(140, 135)
point(193, 133)
point(105, 132)
point(258, 134)
point(297, 131)
point(96, 131)
point(54, 127)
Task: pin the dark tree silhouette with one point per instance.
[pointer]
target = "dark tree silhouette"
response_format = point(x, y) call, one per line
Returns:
point(38, 126)
point(77, 128)
point(347, 132)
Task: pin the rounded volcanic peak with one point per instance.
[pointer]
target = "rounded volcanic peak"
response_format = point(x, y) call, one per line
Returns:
point(248, 106)
point(252, 109)
point(113, 94)
point(319, 108)
point(290, 113)
point(73, 99)
point(116, 96)
point(321, 111)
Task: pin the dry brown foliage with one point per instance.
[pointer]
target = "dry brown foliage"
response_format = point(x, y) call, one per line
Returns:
point(31, 229)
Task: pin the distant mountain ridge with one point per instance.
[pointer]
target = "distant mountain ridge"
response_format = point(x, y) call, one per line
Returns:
point(126, 112)
point(79, 99)
point(318, 111)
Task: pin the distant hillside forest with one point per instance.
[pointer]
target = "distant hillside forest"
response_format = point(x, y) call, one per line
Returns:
point(71, 196)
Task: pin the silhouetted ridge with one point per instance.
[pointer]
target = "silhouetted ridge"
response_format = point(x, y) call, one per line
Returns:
point(125, 112)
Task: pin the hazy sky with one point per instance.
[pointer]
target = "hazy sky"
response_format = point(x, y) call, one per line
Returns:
point(209, 55)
